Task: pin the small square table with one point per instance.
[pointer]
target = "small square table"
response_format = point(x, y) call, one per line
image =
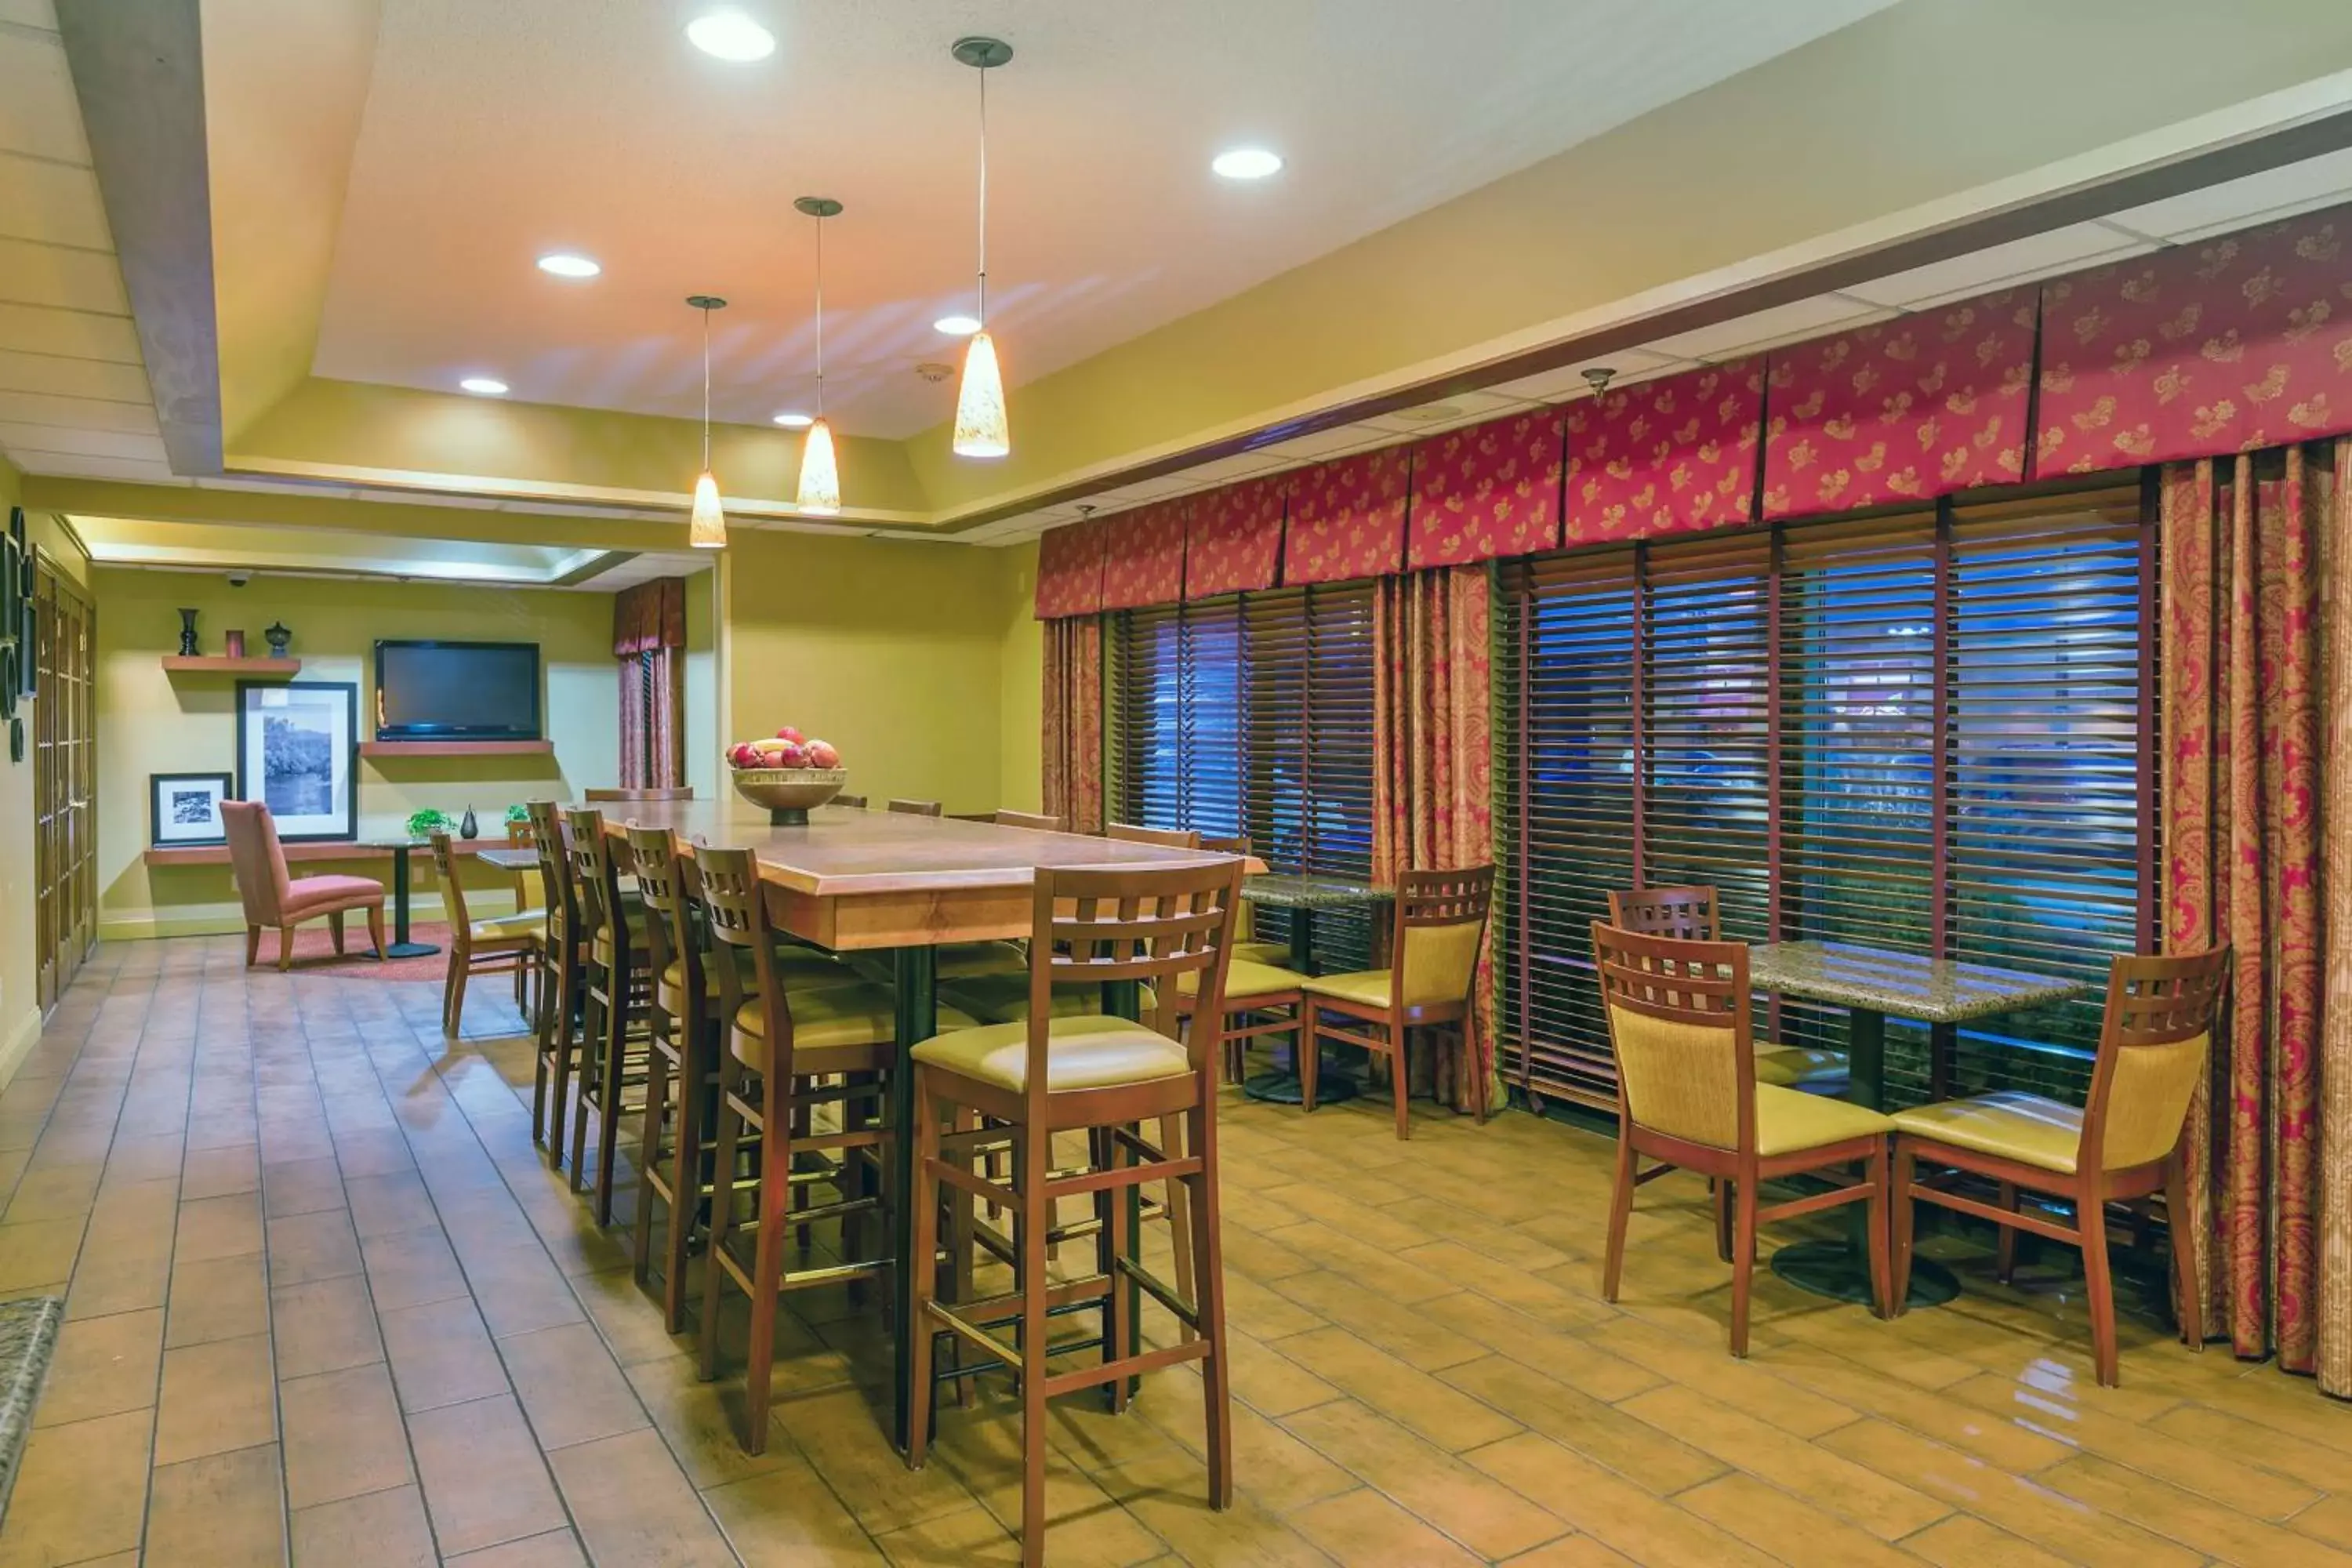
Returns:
point(1871, 982)
point(1303, 894)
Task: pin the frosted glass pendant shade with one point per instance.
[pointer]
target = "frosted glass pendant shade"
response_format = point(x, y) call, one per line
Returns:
point(820, 493)
point(980, 427)
point(706, 527)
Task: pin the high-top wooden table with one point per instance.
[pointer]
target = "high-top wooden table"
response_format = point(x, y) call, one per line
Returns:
point(880, 882)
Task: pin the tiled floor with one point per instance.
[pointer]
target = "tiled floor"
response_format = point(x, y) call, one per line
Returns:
point(326, 1301)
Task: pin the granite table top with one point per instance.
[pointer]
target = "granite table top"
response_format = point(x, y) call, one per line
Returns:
point(1286, 892)
point(1908, 985)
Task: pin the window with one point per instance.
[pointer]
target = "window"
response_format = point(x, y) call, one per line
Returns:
point(1921, 731)
point(1252, 715)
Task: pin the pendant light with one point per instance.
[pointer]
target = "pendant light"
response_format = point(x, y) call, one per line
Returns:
point(980, 426)
point(819, 491)
point(706, 525)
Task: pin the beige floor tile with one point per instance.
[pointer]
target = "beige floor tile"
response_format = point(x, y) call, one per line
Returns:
point(49, 1518)
point(441, 1354)
point(306, 1247)
point(631, 1503)
point(380, 1530)
point(387, 1204)
point(1966, 1542)
point(1170, 1498)
point(411, 1267)
point(1648, 1529)
point(1771, 1521)
point(323, 1325)
point(1409, 1333)
point(1464, 1504)
point(1443, 1414)
point(38, 1251)
point(485, 1481)
point(2196, 1522)
point(787, 1515)
point(218, 1298)
point(1886, 1507)
point(700, 1420)
point(570, 1386)
point(228, 1226)
point(56, 1192)
point(556, 1548)
point(220, 1170)
point(1634, 1448)
point(1573, 1552)
point(103, 1366)
point(217, 1396)
point(1361, 1529)
point(301, 1186)
point(344, 1435)
point(222, 1511)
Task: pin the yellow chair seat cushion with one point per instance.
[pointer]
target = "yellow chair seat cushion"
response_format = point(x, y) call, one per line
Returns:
point(964, 960)
point(1788, 1121)
point(1276, 953)
point(1367, 987)
point(509, 927)
point(1004, 998)
point(800, 968)
point(1795, 1066)
point(1246, 978)
point(2046, 1133)
point(1083, 1052)
point(852, 1014)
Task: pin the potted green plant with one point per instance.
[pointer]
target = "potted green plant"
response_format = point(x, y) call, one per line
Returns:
point(427, 823)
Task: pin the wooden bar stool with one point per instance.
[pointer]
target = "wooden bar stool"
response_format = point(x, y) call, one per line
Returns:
point(491, 946)
point(1440, 924)
point(558, 1044)
point(780, 1042)
point(1035, 822)
point(1103, 1074)
point(615, 990)
point(1687, 1096)
point(2123, 1146)
point(682, 1057)
point(916, 807)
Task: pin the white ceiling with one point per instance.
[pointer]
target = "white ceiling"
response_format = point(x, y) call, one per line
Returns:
point(74, 397)
point(495, 132)
point(2216, 209)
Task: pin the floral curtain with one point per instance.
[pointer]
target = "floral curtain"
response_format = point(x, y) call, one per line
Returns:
point(1074, 722)
point(1433, 757)
point(2257, 826)
point(649, 641)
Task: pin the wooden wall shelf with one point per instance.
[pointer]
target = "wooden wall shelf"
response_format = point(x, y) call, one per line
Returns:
point(220, 664)
point(456, 748)
point(340, 850)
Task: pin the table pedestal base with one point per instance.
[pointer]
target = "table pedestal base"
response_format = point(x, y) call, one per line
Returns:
point(1841, 1270)
point(1280, 1086)
point(409, 949)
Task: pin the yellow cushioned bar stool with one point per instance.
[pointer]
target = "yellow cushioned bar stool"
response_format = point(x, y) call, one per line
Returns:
point(616, 991)
point(1441, 925)
point(1106, 1076)
point(804, 1072)
point(559, 985)
point(487, 946)
point(2123, 1146)
point(1687, 1097)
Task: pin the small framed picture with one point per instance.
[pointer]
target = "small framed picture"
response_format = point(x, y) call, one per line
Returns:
point(187, 808)
point(296, 753)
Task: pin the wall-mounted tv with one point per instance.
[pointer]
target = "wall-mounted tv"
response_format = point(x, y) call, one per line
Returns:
point(457, 691)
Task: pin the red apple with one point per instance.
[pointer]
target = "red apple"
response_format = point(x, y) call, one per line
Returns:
point(741, 754)
point(794, 755)
point(821, 754)
point(789, 734)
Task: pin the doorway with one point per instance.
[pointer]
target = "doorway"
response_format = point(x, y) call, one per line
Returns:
point(65, 778)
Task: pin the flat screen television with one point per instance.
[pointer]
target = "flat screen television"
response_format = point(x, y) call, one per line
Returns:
point(457, 691)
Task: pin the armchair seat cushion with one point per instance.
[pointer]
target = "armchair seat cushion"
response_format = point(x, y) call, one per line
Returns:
point(307, 896)
point(1788, 1120)
point(2010, 1125)
point(1086, 1051)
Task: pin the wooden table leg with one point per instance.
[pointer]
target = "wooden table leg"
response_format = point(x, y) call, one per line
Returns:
point(915, 969)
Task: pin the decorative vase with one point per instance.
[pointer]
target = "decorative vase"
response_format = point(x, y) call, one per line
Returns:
point(187, 633)
point(278, 637)
point(466, 826)
point(233, 643)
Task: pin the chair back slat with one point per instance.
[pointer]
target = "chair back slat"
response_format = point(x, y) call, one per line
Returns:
point(555, 878)
point(1441, 928)
point(453, 892)
point(661, 883)
point(596, 881)
point(1168, 837)
point(1686, 912)
point(734, 904)
point(1678, 1021)
point(2154, 1045)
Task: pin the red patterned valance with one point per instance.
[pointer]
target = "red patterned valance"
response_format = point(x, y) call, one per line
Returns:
point(1233, 542)
point(1346, 518)
point(2225, 345)
point(1143, 556)
point(649, 616)
point(1488, 492)
point(1070, 571)
point(1672, 456)
point(1902, 410)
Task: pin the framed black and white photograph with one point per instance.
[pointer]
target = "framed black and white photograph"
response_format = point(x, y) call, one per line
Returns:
point(186, 808)
point(298, 753)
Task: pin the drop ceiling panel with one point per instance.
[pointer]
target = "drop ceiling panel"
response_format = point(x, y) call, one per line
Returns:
point(1321, 443)
point(55, 203)
point(35, 274)
point(2023, 260)
point(77, 413)
point(1462, 408)
point(2276, 192)
point(38, 116)
point(34, 328)
point(73, 377)
point(1788, 323)
point(31, 440)
point(1568, 381)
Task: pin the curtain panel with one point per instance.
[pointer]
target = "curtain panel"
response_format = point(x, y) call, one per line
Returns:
point(2257, 649)
point(653, 700)
point(1432, 756)
point(1074, 722)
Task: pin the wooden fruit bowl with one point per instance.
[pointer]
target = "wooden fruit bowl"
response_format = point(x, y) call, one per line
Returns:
point(788, 793)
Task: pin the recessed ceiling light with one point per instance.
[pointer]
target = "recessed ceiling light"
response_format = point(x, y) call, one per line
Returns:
point(730, 36)
point(484, 386)
point(957, 326)
point(564, 264)
point(1246, 164)
point(794, 420)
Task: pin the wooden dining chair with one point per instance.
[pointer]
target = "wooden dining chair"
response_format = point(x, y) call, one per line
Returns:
point(782, 1041)
point(1267, 964)
point(848, 802)
point(1103, 1074)
point(640, 794)
point(615, 989)
point(1035, 822)
point(521, 836)
point(490, 946)
point(1678, 1014)
point(1692, 913)
point(273, 898)
point(1168, 837)
point(2123, 1146)
point(1440, 927)
point(916, 807)
point(558, 1037)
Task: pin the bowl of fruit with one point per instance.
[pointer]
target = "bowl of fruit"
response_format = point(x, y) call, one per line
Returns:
point(786, 774)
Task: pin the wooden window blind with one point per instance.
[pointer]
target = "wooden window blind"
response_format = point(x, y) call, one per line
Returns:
point(1926, 731)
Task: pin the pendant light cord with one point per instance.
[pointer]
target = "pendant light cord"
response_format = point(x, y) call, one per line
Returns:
point(819, 318)
point(983, 196)
point(705, 389)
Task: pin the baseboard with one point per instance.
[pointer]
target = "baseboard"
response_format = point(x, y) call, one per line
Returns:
point(18, 1045)
point(230, 922)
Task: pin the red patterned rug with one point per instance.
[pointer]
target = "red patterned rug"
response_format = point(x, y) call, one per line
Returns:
point(314, 952)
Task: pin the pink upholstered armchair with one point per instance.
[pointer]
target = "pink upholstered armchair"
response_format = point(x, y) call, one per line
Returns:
point(271, 898)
